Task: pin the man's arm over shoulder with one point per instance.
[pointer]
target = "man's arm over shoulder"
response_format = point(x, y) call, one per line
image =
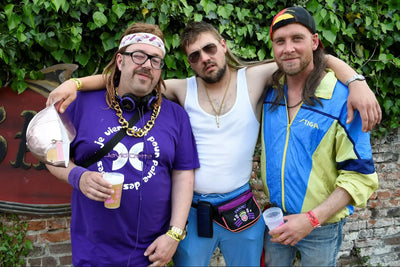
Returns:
point(176, 90)
point(361, 97)
point(259, 77)
point(67, 91)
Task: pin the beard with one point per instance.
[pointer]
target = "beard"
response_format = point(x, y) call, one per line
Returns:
point(292, 69)
point(215, 77)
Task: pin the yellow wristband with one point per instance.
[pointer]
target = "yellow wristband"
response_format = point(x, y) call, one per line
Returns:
point(77, 82)
point(173, 235)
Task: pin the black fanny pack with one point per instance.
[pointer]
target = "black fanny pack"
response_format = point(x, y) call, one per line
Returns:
point(235, 215)
point(239, 213)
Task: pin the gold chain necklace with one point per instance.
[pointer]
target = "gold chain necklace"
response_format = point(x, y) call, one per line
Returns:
point(140, 132)
point(223, 99)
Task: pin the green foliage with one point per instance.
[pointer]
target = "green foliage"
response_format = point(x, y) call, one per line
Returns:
point(359, 260)
point(366, 34)
point(39, 33)
point(13, 246)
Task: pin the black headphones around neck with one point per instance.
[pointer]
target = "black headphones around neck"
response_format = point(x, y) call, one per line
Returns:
point(129, 102)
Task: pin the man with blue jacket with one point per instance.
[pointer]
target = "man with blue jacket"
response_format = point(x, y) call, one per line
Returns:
point(315, 167)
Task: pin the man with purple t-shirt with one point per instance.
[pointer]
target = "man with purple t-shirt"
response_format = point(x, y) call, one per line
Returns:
point(157, 157)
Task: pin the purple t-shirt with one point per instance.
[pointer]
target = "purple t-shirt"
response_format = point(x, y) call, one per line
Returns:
point(106, 237)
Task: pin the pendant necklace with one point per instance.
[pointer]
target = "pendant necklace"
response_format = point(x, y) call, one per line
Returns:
point(223, 99)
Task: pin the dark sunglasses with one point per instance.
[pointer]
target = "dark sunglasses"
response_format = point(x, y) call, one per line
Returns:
point(209, 49)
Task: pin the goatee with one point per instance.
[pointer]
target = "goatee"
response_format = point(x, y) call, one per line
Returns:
point(215, 78)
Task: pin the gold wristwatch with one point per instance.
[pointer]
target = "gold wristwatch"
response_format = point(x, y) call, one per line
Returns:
point(177, 232)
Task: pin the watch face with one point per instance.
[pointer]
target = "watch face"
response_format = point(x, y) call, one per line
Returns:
point(177, 230)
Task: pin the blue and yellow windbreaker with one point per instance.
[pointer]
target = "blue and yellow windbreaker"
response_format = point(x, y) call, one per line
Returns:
point(302, 162)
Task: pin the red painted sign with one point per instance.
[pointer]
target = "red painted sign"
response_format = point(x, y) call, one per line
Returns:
point(25, 183)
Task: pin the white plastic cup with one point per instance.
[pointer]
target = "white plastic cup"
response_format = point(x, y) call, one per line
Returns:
point(117, 180)
point(273, 218)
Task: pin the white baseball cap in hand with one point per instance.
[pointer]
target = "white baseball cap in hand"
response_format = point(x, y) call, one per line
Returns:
point(49, 135)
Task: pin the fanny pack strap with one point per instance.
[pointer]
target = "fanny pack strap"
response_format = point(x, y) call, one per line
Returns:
point(214, 208)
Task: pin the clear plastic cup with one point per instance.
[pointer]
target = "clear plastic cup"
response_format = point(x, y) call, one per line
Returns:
point(273, 218)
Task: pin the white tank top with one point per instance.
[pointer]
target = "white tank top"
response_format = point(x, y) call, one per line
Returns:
point(225, 153)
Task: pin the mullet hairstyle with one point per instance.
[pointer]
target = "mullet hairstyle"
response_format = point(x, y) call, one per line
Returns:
point(112, 74)
point(313, 80)
point(191, 33)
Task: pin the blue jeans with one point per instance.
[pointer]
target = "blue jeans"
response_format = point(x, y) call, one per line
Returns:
point(319, 248)
point(239, 249)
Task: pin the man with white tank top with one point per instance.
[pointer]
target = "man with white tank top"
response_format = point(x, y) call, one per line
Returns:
point(224, 101)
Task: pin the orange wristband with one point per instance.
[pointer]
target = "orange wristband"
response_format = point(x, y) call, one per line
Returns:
point(313, 219)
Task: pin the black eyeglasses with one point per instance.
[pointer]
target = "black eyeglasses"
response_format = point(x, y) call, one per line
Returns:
point(140, 58)
point(210, 49)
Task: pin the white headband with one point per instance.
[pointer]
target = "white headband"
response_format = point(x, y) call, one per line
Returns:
point(143, 38)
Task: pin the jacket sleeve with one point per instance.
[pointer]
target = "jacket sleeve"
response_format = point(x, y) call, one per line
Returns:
point(355, 164)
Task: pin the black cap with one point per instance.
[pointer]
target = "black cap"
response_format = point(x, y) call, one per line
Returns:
point(291, 15)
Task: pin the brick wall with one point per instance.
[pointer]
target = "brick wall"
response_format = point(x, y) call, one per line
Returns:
point(372, 234)
point(50, 236)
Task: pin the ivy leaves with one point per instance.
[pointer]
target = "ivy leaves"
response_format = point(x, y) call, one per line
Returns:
point(35, 34)
point(13, 245)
